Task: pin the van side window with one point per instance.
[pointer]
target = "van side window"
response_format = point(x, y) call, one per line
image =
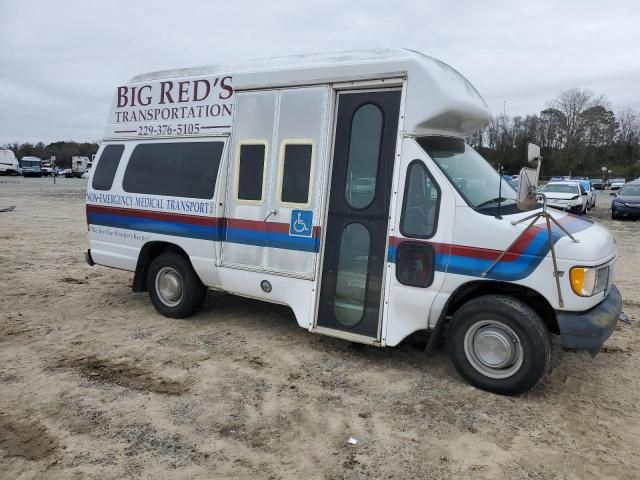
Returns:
point(251, 161)
point(295, 163)
point(421, 203)
point(364, 153)
point(107, 166)
point(183, 169)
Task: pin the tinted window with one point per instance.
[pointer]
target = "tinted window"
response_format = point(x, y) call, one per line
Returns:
point(107, 166)
point(251, 172)
point(296, 173)
point(630, 190)
point(353, 272)
point(174, 169)
point(364, 151)
point(414, 264)
point(421, 200)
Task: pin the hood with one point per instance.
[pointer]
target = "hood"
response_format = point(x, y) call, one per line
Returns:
point(632, 199)
point(561, 196)
point(595, 244)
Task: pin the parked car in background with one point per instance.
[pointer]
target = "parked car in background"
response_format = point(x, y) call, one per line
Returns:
point(591, 193)
point(597, 184)
point(617, 183)
point(514, 182)
point(626, 203)
point(568, 196)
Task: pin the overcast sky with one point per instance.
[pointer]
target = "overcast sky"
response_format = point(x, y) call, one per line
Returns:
point(60, 61)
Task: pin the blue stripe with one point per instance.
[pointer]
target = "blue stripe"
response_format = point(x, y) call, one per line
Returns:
point(203, 232)
point(272, 239)
point(517, 269)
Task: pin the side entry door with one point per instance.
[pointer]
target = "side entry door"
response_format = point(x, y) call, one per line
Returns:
point(366, 130)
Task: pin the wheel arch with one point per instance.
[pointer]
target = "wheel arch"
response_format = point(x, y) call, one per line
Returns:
point(477, 288)
point(148, 252)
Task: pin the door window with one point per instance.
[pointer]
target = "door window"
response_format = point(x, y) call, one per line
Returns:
point(351, 282)
point(296, 164)
point(364, 153)
point(250, 169)
point(421, 203)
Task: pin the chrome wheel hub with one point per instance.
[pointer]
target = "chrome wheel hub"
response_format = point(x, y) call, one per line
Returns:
point(493, 349)
point(169, 286)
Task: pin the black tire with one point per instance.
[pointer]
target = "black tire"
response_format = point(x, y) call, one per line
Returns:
point(533, 343)
point(179, 270)
point(613, 215)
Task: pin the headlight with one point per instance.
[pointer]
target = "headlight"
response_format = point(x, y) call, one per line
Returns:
point(588, 281)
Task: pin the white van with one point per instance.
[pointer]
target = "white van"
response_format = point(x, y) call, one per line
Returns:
point(340, 185)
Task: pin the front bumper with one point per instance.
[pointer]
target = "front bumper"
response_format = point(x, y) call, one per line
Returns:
point(589, 330)
point(625, 211)
point(565, 207)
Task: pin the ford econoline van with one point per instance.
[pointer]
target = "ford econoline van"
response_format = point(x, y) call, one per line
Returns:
point(341, 186)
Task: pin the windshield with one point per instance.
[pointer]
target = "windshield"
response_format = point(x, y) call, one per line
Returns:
point(476, 180)
point(630, 191)
point(30, 163)
point(560, 188)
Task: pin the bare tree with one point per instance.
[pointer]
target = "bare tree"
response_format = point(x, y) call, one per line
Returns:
point(629, 127)
point(571, 104)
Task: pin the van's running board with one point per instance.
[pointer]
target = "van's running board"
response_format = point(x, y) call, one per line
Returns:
point(352, 337)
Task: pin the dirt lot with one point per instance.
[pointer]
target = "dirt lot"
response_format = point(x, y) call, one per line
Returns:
point(95, 384)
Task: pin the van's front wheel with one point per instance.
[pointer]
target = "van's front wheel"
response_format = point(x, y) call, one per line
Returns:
point(500, 344)
point(174, 288)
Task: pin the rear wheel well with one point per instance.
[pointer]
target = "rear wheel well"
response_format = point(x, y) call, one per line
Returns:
point(475, 289)
point(148, 252)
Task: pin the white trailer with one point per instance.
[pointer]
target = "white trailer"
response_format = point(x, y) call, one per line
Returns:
point(78, 167)
point(9, 164)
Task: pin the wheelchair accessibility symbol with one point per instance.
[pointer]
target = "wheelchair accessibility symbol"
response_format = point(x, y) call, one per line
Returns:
point(301, 223)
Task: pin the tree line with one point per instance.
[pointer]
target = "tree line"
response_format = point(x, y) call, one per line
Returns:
point(578, 134)
point(63, 151)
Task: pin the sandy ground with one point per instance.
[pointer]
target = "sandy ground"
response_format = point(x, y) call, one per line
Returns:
point(95, 384)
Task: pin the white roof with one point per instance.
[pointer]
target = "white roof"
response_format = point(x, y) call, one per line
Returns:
point(438, 98)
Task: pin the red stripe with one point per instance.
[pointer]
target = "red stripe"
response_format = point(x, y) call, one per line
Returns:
point(258, 226)
point(473, 252)
point(166, 216)
point(255, 225)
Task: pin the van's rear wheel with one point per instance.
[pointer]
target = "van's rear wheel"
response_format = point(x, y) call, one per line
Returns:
point(174, 288)
point(500, 344)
